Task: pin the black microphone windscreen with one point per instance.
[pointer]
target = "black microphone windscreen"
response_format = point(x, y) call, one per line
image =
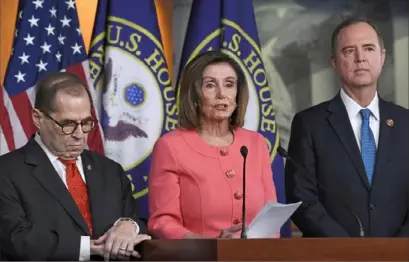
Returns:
point(244, 151)
point(282, 151)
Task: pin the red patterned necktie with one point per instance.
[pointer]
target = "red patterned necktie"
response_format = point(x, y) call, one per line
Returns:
point(78, 189)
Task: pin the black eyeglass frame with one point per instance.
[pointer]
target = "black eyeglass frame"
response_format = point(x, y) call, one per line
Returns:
point(82, 123)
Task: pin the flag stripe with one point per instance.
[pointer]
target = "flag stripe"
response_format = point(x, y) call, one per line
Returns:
point(16, 129)
point(31, 95)
point(6, 127)
point(23, 108)
point(3, 143)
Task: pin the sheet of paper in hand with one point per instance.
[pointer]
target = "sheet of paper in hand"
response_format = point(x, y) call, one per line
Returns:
point(270, 219)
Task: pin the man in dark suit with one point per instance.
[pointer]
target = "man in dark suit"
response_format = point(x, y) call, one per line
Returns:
point(353, 148)
point(59, 201)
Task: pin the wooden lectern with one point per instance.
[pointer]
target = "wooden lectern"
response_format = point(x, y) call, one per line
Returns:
point(296, 249)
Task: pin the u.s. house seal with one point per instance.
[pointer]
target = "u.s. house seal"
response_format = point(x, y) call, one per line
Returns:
point(138, 103)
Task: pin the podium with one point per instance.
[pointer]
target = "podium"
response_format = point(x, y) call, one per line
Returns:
point(296, 249)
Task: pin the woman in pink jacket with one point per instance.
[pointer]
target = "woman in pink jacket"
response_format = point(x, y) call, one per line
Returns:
point(196, 179)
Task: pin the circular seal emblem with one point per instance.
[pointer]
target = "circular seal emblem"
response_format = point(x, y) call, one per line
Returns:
point(245, 50)
point(130, 74)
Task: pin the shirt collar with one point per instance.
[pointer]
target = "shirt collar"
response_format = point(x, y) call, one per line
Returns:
point(353, 107)
point(49, 154)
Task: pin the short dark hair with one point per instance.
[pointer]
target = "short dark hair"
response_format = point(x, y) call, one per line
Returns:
point(48, 86)
point(351, 21)
point(190, 91)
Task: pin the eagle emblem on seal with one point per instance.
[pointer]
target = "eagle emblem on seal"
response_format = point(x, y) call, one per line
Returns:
point(122, 129)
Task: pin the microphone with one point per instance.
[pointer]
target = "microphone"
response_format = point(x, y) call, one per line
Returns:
point(284, 154)
point(244, 151)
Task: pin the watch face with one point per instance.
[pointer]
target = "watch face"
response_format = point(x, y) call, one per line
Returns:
point(123, 219)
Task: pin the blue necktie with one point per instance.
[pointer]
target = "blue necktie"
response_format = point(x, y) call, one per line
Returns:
point(368, 146)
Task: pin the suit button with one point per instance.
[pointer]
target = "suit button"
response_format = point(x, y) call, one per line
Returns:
point(230, 173)
point(224, 151)
point(372, 207)
point(238, 195)
point(237, 221)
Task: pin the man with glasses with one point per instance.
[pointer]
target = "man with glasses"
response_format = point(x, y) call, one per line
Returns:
point(59, 201)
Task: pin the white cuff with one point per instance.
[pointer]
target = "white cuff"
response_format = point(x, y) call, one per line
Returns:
point(128, 219)
point(85, 248)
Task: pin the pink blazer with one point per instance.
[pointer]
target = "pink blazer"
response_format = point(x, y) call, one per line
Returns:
point(197, 188)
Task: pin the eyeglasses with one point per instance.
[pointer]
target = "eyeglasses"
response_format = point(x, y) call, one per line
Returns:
point(69, 127)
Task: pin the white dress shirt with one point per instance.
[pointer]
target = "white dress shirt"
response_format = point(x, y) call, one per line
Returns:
point(85, 246)
point(355, 117)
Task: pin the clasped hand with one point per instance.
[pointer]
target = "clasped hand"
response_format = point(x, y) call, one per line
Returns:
point(118, 242)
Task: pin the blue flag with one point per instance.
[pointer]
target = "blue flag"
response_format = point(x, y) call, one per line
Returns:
point(230, 26)
point(130, 73)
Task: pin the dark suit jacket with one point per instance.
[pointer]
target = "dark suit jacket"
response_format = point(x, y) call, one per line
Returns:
point(39, 220)
point(322, 140)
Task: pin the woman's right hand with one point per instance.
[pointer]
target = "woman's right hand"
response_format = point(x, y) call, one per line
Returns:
point(230, 232)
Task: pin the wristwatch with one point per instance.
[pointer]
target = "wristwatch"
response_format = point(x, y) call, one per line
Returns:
point(121, 219)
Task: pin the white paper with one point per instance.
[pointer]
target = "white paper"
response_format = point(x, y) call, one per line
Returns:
point(270, 219)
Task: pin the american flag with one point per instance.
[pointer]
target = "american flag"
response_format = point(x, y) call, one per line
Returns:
point(47, 39)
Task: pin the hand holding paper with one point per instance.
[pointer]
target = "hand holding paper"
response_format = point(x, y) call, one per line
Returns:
point(270, 219)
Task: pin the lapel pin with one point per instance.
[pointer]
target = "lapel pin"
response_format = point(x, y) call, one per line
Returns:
point(389, 122)
point(89, 168)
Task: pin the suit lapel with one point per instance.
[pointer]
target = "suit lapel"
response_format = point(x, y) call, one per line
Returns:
point(338, 119)
point(95, 187)
point(48, 177)
point(384, 142)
